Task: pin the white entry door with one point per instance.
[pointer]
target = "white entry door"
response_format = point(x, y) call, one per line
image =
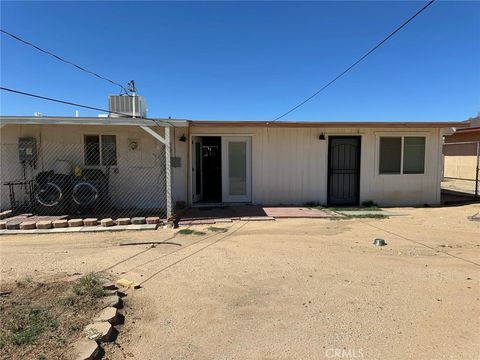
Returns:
point(236, 169)
point(197, 178)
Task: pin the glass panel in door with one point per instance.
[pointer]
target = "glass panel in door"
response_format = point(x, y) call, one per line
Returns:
point(236, 169)
point(197, 169)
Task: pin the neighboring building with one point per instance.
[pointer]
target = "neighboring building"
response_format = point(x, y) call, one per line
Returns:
point(469, 132)
point(461, 152)
point(270, 163)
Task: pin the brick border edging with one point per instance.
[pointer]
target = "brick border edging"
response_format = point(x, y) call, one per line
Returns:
point(27, 225)
point(82, 229)
point(101, 329)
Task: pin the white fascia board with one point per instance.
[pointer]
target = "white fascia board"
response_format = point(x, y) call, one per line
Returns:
point(155, 135)
point(37, 120)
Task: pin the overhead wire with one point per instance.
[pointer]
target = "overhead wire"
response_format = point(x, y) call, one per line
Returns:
point(358, 61)
point(82, 106)
point(79, 67)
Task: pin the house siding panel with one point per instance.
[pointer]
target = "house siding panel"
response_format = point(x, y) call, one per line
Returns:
point(289, 165)
point(137, 176)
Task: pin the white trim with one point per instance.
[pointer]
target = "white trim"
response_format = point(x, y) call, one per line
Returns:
point(156, 135)
point(34, 120)
point(168, 172)
point(226, 197)
point(197, 197)
point(252, 135)
point(223, 134)
point(402, 136)
point(191, 178)
point(100, 134)
point(440, 166)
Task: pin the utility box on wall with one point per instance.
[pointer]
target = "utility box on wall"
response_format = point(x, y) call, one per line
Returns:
point(176, 162)
point(27, 150)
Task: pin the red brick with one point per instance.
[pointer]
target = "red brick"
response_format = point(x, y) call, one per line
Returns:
point(153, 220)
point(90, 222)
point(123, 221)
point(75, 222)
point(138, 220)
point(44, 224)
point(60, 224)
point(107, 222)
point(28, 225)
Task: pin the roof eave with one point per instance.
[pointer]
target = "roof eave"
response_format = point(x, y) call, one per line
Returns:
point(330, 124)
point(107, 121)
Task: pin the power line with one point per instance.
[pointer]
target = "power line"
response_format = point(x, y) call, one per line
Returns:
point(358, 61)
point(63, 60)
point(79, 105)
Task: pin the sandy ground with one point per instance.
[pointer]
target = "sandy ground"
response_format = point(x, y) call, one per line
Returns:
point(289, 289)
point(465, 186)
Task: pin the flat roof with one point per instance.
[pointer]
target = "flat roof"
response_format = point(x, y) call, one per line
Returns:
point(469, 129)
point(330, 124)
point(72, 120)
point(119, 121)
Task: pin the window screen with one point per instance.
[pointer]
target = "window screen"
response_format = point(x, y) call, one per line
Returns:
point(414, 155)
point(390, 155)
point(92, 149)
point(109, 150)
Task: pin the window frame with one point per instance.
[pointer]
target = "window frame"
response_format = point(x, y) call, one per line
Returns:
point(402, 150)
point(84, 135)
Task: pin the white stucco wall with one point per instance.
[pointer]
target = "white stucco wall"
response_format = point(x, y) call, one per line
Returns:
point(133, 182)
point(289, 165)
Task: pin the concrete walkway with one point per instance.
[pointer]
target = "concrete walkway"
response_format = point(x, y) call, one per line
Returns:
point(213, 215)
point(369, 212)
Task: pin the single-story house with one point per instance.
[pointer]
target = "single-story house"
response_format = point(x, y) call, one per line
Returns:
point(210, 162)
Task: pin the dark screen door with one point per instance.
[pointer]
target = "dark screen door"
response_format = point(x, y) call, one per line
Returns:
point(344, 170)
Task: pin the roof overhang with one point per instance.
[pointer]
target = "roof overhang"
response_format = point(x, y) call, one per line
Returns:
point(328, 124)
point(113, 121)
point(105, 121)
point(470, 130)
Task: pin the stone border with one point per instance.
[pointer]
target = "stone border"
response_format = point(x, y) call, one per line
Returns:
point(102, 328)
point(5, 214)
point(30, 225)
point(81, 229)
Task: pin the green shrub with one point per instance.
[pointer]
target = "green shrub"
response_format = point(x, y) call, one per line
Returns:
point(26, 326)
point(24, 282)
point(217, 229)
point(190, 231)
point(89, 285)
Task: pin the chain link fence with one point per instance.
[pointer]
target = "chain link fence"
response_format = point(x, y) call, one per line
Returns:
point(103, 176)
point(461, 173)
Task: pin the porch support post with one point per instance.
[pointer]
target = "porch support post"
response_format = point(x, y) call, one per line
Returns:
point(477, 171)
point(156, 135)
point(168, 174)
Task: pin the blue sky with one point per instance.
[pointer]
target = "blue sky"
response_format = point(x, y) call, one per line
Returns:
point(248, 61)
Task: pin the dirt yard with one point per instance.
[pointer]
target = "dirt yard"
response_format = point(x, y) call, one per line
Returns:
point(285, 289)
point(40, 320)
